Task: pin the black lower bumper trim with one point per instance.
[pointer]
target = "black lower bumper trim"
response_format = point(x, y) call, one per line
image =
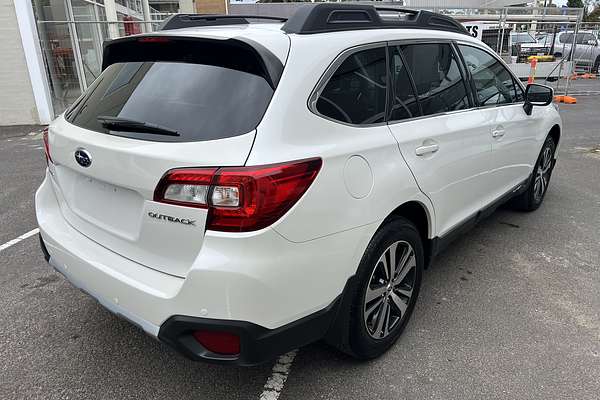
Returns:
point(257, 343)
point(44, 249)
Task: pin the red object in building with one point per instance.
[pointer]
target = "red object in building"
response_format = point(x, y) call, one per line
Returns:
point(132, 27)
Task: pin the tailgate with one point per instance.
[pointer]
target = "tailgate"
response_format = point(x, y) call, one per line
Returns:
point(111, 200)
point(159, 104)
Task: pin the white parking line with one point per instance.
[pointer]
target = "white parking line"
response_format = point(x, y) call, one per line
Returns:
point(17, 240)
point(279, 375)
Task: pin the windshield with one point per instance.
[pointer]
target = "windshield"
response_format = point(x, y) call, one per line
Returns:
point(522, 38)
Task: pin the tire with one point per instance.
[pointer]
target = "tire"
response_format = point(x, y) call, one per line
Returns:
point(368, 335)
point(533, 196)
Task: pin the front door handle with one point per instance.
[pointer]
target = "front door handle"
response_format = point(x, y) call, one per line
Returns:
point(426, 149)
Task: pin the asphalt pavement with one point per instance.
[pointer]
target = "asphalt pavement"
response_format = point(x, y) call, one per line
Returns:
point(510, 311)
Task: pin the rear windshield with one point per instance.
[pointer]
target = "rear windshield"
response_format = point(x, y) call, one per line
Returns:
point(197, 101)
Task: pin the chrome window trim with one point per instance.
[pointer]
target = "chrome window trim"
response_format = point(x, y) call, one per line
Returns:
point(331, 69)
point(341, 57)
point(442, 114)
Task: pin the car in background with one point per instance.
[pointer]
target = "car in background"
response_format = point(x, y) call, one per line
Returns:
point(521, 38)
point(587, 49)
point(524, 45)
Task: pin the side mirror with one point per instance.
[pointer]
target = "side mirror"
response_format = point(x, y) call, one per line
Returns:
point(592, 43)
point(537, 95)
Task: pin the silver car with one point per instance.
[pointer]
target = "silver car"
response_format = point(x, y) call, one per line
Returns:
point(587, 50)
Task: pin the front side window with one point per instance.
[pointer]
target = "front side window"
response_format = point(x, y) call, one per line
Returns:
point(356, 92)
point(438, 80)
point(493, 83)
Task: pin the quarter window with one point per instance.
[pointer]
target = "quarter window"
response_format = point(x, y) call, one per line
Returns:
point(493, 83)
point(356, 92)
point(438, 80)
point(404, 101)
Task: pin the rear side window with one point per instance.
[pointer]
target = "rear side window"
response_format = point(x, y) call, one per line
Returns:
point(493, 83)
point(438, 80)
point(404, 101)
point(198, 99)
point(356, 92)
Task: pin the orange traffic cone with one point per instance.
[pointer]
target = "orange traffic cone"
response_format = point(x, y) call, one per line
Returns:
point(533, 65)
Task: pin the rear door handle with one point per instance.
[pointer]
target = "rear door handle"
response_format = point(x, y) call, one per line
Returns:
point(498, 132)
point(426, 149)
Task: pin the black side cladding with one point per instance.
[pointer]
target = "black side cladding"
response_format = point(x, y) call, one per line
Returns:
point(334, 17)
point(240, 54)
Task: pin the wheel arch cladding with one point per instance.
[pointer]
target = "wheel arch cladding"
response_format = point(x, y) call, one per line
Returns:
point(418, 214)
point(555, 134)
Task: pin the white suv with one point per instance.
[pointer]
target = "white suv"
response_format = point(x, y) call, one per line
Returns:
point(240, 188)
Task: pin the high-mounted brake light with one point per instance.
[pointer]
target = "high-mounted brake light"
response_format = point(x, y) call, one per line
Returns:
point(239, 199)
point(153, 39)
point(46, 145)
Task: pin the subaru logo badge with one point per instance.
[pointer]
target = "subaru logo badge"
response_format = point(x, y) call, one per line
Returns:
point(83, 158)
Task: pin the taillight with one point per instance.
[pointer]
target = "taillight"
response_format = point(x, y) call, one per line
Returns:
point(239, 199)
point(185, 187)
point(46, 145)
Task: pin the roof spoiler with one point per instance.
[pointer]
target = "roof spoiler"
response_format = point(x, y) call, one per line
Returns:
point(234, 52)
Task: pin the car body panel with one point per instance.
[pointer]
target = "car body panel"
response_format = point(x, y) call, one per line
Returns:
point(110, 200)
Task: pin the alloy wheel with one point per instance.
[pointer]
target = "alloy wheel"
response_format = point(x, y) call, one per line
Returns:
point(390, 289)
point(542, 175)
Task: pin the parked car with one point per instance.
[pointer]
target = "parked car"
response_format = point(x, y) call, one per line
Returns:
point(521, 38)
point(587, 50)
point(238, 189)
point(525, 45)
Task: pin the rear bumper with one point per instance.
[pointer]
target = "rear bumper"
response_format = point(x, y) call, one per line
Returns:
point(109, 304)
point(258, 344)
point(274, 293)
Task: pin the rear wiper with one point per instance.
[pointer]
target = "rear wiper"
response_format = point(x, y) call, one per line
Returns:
point(130, 125)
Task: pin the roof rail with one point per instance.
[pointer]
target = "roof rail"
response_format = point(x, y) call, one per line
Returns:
point(333, 17)
point(178, 21)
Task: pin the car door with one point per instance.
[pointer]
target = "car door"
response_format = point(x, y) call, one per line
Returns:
point(444, 140)
point(512, 131)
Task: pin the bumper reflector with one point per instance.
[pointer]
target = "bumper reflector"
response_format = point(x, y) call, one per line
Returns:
point(219, 342)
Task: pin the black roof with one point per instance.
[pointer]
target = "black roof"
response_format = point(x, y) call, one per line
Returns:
point(330, 17)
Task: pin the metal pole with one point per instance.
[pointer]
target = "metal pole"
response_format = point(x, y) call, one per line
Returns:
point(498, 36)
point(75, 46)
point(573, 48)
point(147, 17)
point(111, 16)
point(502, 25)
